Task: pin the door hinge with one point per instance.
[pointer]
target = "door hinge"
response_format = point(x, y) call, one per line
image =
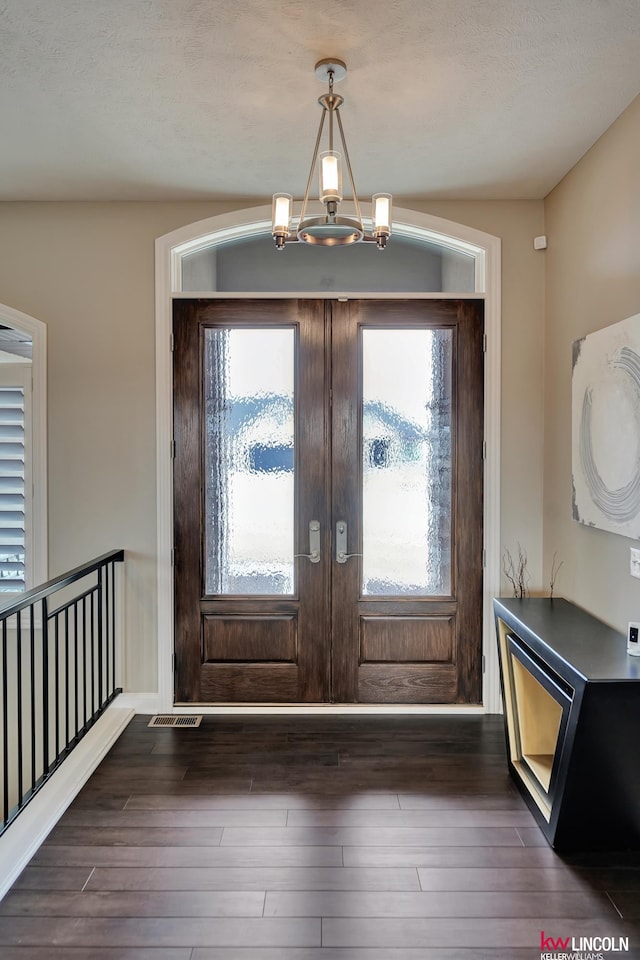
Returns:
point(484, 343)
point(484, 663)
point(484, 558)
point(172, 449)
point(484, 449)
point(171, 342)
point(173, 663)
point(173, 556)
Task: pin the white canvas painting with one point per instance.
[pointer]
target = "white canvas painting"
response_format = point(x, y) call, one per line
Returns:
point(606, 428)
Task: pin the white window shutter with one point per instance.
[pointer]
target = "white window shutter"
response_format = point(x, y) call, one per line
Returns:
point(12, 489)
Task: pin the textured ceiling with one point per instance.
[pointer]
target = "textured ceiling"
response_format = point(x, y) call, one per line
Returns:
point(212, 99)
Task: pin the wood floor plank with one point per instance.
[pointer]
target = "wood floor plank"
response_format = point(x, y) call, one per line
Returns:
point(207, 817)
point(438, 857)
point(113, 769)
point(351, 782)
point(193, 903)
point(373, 836)
point(448, 767)
point(53, 878)
point(351, 800)
point(95, 800)
point(126, 788)
point(161, 932)
point(508, 879)
point(96, 953)
point(506, 903)
point(123, 836)
point(252, 878)
point(409, 818)
point(114, 856)
point(506, 799)
point(199, 765)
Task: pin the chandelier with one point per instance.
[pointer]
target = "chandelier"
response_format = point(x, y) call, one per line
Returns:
point(330, 229)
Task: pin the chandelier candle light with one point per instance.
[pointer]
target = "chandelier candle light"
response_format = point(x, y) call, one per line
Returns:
point(330, 230)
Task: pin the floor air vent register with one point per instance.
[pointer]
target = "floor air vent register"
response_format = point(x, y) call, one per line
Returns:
point(166, 720)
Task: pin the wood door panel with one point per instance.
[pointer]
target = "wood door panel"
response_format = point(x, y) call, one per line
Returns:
point(411, 646)
point(406, 639)
point(249, 683)
point(280, 639)
point(250, 638)
point(402, 683)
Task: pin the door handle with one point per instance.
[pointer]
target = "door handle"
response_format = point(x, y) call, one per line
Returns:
point(314, 543)
point(341, 543)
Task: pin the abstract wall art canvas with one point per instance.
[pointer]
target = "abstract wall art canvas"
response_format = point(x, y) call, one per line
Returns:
point(606, 428)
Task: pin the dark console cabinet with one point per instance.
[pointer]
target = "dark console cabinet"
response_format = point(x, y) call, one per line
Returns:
point(571, 698)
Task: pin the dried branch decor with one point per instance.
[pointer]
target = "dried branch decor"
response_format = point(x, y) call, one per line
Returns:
point(555, 569)
point(516, 572)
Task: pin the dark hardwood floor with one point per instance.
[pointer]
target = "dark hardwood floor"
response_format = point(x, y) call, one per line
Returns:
point(310, 838)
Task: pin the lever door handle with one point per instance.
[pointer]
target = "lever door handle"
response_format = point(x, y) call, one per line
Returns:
point(314, 543)
point(341, 543)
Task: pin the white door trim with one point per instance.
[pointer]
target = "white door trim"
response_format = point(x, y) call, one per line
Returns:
point(38, 563)
point(254, 221)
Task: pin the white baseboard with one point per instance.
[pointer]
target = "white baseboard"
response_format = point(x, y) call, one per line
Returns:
point(152, 703)
point(21, 840)
point(141, 702)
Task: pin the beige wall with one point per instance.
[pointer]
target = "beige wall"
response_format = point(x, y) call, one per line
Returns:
point(592, 219)
point(87, 271)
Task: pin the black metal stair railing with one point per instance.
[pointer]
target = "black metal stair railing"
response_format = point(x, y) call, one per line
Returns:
point(57, 674)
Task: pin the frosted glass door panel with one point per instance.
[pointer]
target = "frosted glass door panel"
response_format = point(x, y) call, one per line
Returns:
point(406, 462)
point(249, 461)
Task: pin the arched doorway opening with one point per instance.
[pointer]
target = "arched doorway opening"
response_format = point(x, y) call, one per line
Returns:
point(207, 254)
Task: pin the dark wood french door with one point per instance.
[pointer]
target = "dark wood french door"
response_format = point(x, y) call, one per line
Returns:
point(328, 501)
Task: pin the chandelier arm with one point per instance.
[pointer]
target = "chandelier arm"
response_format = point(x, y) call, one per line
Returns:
point(314, 161)
point(348, 163)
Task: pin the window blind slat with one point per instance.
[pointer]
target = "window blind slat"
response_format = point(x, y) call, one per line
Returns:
point(11, 449)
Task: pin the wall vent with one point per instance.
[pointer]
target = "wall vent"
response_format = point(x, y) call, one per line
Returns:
point(167, 720)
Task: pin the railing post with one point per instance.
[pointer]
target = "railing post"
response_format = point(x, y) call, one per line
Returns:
point(101, 693)
point(76, 681)
point(45, 688)
point(92, 645)
point(67, 678)
point(56, 656)
point(5, 726)
point(110, 645)
point(19, 703)
point(32, 687)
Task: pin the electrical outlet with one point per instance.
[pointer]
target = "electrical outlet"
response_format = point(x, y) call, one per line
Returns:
point(634, 562)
